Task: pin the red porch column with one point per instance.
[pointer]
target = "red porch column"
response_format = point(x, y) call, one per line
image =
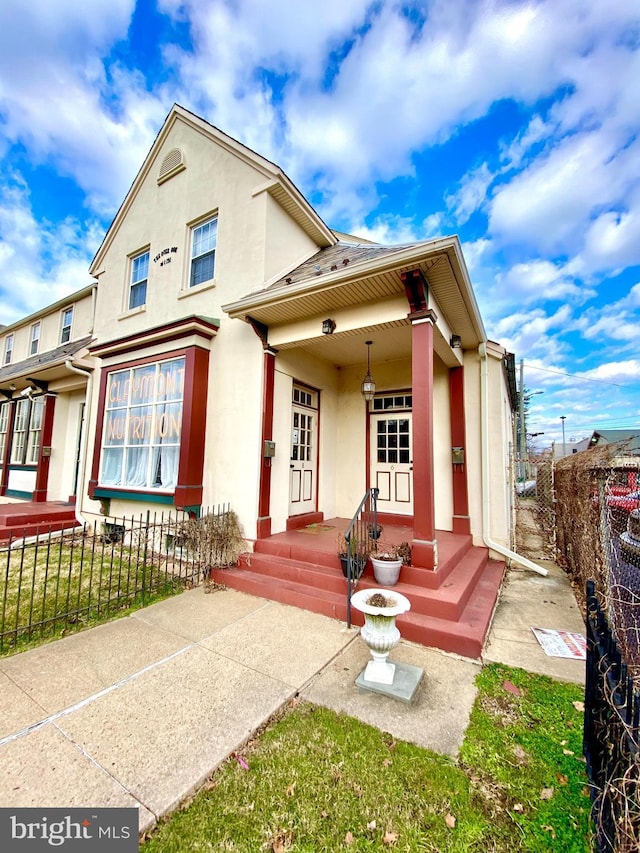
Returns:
point(424, 550)
point(461, 523)
point(264, 497)
point(44, 457)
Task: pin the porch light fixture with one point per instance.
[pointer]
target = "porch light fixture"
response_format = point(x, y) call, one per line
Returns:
point(455, 342)
point(368, 386)
point(328, 326)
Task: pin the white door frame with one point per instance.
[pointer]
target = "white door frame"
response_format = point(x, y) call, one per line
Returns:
point(303, 450)
point(391, 462)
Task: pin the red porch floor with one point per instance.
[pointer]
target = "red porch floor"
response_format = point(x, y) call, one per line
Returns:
point(27, 518)
point(451, 608)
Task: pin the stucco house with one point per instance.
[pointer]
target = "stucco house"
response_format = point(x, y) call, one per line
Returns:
point(229, 339)
point(44, 375)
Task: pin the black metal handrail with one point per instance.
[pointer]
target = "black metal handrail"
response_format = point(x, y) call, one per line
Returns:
point(360, 537)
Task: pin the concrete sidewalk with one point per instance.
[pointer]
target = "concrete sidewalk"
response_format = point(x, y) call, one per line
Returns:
point(140, 711)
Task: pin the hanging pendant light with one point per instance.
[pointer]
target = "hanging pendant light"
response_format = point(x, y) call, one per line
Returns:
point(368, 386)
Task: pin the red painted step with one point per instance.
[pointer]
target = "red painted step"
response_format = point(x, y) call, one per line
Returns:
point(18, 520)
point(454, 618)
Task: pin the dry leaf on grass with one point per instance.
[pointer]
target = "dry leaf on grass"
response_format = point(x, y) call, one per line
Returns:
point(518, 807)
point(390, 837)
point(579, 706)
point(450, 820)
point(546, 793)
point(371, 824)
point(291, 789)
point(281, 840)
point(349, 839)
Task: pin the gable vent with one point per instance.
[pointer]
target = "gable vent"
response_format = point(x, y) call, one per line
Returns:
point(171, 165)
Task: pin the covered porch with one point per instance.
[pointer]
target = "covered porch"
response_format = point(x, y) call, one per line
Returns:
point(451, 608)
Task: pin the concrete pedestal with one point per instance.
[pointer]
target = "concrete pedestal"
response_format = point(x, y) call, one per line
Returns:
point(405, 682)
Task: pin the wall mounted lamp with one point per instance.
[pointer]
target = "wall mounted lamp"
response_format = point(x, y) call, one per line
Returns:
point(328, 326)
point(368, 386)
point(455, 342)
point(39, 385)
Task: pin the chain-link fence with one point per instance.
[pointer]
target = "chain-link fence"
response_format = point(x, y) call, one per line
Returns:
point(535, 511)
point(597, 502)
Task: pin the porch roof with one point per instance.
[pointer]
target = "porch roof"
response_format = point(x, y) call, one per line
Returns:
point(47, 366)
point(349, 274)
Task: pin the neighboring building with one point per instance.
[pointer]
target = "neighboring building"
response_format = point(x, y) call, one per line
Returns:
point(569, 447)
point(43, 389)
point(230, 337)
point(627, 439)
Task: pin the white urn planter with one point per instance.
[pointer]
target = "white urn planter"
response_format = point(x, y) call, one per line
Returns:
point(380, 608)
point(386, 570)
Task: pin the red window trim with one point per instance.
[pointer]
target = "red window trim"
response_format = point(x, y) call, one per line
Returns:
point(188, 490)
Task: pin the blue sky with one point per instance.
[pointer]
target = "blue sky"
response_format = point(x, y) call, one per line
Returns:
point(512, 124)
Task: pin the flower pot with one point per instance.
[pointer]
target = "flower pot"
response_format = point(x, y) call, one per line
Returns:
point(386, 572)
point(379, 631)
point(358, 564)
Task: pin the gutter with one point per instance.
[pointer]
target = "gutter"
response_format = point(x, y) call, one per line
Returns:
point(85, 438)
point(486, 502)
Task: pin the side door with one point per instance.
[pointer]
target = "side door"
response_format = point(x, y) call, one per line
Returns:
point(303, 461)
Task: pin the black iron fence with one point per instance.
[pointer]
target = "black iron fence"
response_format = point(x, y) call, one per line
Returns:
point(60, 581)
point(611, 736)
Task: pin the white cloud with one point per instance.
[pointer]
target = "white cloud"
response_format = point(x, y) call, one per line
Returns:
point(618, 372)
point(534, 334)
point(472, 193)
point(539, 281)
point(39, 265)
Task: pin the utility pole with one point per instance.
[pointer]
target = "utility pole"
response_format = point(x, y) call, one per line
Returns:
point(522, 432)
point(564, 446)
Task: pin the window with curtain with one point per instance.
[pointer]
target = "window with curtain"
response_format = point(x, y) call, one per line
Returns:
point(142, 426)
point(4, 425)
point(27, 429)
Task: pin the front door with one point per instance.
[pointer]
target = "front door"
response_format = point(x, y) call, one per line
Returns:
point(303, 461)
point(391, 462)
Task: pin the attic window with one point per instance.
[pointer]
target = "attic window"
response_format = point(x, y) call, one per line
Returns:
point(171, 165)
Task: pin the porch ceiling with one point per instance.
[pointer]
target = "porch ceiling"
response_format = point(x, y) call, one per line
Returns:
point(390, 342)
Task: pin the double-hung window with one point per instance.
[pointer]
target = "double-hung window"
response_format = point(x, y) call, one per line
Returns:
point(203, 251)
point(27, 429)
point(8, 349)
point(67, 320)
point(35, 339)
point(4, 427)
point(138, 283)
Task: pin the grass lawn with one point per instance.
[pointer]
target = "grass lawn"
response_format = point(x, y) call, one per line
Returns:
point(48, 590)
point(315, 781)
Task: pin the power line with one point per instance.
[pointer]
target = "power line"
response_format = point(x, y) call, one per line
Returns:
point(583, 378)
